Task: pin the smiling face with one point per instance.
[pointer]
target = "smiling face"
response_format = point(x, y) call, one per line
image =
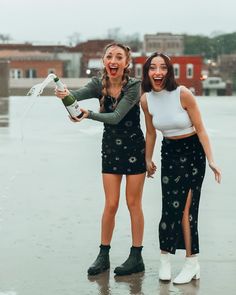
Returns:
point(115, 61)
point(157, 73)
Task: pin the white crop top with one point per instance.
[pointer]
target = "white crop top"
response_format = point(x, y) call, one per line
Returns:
point(168, 115)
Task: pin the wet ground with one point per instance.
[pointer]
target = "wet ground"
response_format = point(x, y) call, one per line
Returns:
point(51, 200)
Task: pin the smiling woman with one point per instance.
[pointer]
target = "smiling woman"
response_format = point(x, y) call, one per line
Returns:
point(123, 151)
point(173, 110)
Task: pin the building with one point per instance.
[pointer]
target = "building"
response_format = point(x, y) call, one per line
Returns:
point(164, 42)
point(71, 59)
point(31, 64)
point(92, 53)
point(187, 69)
point(32, 47)
point(227, 68)
point(83, 60)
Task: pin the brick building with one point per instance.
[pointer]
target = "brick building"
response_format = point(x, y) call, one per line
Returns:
point(92, 53)
point(31, 64)
point(70, 57)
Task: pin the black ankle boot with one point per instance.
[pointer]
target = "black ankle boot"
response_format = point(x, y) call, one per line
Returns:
point(102, 262)
point(133, 264)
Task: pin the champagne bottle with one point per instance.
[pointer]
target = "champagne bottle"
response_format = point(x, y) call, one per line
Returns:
point(69, 101)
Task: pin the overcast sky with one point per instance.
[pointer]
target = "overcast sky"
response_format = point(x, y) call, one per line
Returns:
point(56, 20)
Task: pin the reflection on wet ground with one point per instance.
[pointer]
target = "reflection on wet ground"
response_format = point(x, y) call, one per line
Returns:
point(103, 283)
point(51, 201)
point(192, 288)
point(4, 111)
point(133, 285)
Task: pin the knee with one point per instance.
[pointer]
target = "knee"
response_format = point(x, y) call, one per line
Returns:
point(134, 205)
point(111, 208)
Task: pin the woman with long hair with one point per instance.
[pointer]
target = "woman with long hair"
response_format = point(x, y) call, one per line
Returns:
point(173, 110)
point(123, 151)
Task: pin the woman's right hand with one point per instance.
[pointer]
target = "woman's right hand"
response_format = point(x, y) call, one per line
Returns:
point(62, 93)
point(151, 169)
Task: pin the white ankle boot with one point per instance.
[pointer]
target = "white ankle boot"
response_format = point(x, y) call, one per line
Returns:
point(165, 269)
point(190, 270)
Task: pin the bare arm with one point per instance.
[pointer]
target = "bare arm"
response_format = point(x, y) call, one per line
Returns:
point(150, 137)
point(190, 104)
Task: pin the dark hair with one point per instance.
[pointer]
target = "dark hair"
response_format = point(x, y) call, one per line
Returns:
point(169, 82)
point(105, 78)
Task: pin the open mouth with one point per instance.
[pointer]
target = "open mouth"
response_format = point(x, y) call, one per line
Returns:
point(158, 80)
point(113, 70)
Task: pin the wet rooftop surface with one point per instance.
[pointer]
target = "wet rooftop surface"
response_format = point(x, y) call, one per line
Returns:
point(51, 201)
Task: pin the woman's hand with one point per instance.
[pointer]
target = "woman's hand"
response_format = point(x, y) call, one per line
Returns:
point(85, 115)
point(216, 171)
point(62, 93)
point(151, 169)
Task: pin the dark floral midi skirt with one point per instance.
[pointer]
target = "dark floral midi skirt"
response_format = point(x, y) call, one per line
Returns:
point(183, 169)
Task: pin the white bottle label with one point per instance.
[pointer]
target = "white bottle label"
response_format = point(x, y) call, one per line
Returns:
point(74, 109)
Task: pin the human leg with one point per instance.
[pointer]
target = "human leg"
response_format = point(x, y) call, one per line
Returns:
point(183, 169)
point(186, 225)
point(134, 189)
point(165, 266)
point(111, 183)
point(191, 268)
point(102, 262)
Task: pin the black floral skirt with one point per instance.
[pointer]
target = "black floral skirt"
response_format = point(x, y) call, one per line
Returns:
point(123, 151)
point(183, 169)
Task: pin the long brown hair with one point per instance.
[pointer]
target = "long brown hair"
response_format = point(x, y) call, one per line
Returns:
point(169, 82)
point(105, 77)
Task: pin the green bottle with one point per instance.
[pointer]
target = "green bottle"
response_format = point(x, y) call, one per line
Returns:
point(69, 101)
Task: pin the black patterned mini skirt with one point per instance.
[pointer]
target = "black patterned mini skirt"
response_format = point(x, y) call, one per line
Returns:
point(123, 151)
point(183, 169)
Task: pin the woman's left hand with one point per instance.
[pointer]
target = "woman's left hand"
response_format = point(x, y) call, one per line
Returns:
point(216, 171)
point(85, 115)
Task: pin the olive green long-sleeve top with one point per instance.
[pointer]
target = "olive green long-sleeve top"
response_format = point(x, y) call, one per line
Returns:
point(130, 95)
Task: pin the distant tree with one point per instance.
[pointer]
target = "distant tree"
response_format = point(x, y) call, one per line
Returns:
point(133, 40)
point(225, 44)
point(200, 45)
point(115, 34)
point(4, 38)
point(210, 47)
point(74, 39)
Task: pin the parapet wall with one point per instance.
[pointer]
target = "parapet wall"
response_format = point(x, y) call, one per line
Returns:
point(20, 87)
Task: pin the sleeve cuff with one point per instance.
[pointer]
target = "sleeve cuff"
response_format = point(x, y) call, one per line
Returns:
point(90, 114)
